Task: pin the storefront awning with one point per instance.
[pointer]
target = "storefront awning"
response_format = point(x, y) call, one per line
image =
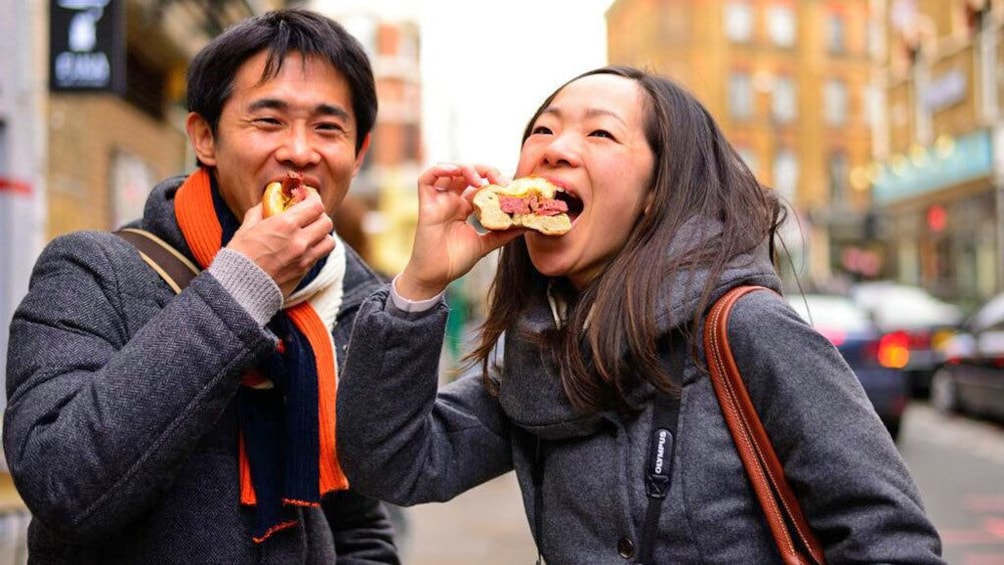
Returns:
point(949, 162)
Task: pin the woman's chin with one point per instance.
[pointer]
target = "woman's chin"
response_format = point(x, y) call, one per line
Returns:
point(549, 265)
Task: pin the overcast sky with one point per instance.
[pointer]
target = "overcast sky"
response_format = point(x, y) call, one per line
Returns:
point(487, 65)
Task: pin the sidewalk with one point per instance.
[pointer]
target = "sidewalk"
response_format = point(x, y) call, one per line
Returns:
point(485, 525)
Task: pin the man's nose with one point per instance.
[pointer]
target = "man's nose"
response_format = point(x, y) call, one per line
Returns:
point(298, 148)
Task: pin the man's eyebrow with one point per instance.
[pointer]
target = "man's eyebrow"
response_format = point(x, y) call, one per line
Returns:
point(590, 113)
point(320, 109)
point(332, 110)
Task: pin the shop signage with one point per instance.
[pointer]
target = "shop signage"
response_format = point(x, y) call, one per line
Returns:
point(945, 90)
point(87, 45)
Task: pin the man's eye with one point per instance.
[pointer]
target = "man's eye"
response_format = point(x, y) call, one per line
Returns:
point(542, 130)
point(267, 121)
point(330, 126)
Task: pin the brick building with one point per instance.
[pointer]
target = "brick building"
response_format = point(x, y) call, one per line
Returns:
point(791, 83)
point(937, 171)
point(385, 186)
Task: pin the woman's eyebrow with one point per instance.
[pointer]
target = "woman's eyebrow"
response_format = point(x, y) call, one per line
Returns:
point(589, 113)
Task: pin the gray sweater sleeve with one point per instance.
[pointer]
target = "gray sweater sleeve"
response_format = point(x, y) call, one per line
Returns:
point(250, 286)
point(398, 438)
point(854, 487)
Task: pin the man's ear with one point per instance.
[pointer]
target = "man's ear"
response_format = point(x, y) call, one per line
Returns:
point(361, 154)
point(201, 136)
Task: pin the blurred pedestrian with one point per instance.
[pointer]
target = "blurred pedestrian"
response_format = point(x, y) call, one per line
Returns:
point(148, 427)
point(666, 218)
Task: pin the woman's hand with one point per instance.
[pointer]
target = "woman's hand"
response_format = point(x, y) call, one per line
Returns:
point(446, 246)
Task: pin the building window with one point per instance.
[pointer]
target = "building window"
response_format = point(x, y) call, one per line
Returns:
point(740, 95)
point(786, 174)
point(132, 178)
point(145, 85)
point(835, 34)
point(784, 102)
point(412, 142)
point(835, 102)
point(838, 172)
point(781, 25)
point(739, 18)
point(409, 44)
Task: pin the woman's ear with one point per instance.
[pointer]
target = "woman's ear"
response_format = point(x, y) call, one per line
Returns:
point(201, 137)
point(649, 200)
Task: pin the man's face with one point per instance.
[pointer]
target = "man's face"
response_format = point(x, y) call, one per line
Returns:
point(301, 120)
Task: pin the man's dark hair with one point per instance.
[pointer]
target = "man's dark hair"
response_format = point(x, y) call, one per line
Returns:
point(280, 33)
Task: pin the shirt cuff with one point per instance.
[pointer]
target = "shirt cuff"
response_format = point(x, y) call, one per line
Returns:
point(412, 306)
point(250, 286)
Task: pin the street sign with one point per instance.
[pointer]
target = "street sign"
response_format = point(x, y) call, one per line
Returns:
point(87, 45)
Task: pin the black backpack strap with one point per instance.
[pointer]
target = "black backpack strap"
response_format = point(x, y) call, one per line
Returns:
point(167, 261)
point(659, 467)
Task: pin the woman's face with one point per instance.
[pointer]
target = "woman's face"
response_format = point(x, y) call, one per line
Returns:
point(590, 141)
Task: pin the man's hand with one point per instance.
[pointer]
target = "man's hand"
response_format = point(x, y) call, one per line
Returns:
point(287, 245)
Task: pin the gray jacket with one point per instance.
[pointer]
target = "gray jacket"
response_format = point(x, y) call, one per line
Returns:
point(121, 424)
point(401, 440)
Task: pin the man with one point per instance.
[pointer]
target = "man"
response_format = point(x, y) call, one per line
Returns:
point(148, 427)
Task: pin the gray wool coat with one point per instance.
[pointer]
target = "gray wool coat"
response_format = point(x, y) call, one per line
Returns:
point(121, 424)
point(403, 440)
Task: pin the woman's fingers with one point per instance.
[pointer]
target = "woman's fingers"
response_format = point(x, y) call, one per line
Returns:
point(492, 240)
point(456, 177)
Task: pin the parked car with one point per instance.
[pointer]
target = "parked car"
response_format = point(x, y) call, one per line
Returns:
point(925, 320)
point(971, 380)
point(876, 358)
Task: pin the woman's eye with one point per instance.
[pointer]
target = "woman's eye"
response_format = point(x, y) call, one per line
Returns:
point(542, 130)
point(602, 133)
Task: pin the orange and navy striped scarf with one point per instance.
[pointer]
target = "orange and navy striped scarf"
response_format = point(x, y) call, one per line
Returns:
point(286, 405)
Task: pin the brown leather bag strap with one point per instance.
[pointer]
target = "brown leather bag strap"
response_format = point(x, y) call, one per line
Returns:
point(755, 449)
point(170, 264)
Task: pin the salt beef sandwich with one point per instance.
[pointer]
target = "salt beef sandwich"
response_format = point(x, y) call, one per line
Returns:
point(529, 202)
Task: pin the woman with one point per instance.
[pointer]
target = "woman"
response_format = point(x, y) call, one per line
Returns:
point(666, 218)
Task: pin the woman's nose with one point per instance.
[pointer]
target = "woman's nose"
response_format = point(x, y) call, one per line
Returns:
point(562, 150)
point(297, 148)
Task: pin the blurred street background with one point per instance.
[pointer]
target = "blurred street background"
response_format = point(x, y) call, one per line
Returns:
point(879, 122)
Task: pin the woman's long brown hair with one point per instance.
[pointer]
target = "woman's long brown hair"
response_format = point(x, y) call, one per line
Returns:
point(696, 173)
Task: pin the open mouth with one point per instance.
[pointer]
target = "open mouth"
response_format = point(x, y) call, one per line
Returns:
point(574, 204)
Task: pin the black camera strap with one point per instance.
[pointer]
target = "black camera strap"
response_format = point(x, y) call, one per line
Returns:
point(658, 468)
point(662, 443)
